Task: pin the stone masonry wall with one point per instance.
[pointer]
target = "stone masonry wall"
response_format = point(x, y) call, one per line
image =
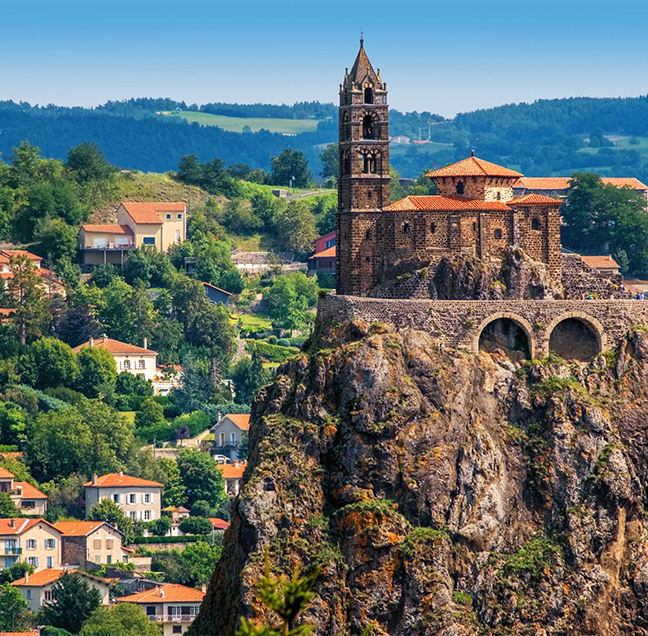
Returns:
point(460, 323)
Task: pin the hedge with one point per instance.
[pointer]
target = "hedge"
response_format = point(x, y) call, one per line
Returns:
point(187, 538)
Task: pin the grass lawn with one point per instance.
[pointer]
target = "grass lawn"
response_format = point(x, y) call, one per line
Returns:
point(253, 320)
point(270, 365)
point(236, 124)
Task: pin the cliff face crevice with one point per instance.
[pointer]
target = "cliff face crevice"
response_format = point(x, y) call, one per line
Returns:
point(445, 493)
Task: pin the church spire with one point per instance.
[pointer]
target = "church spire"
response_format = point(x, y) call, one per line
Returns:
point(362, 68)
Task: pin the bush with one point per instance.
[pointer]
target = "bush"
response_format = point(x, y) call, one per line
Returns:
point(195, 525)
point(66, 395)
point(150, 414)
point(190, 538)
point(130, 384)
point(197, 422)
point(270, 352)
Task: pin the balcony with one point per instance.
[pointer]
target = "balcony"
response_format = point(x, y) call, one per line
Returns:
point(173, 618)
point(13, 550)
point(110, 247)
point(228, 445)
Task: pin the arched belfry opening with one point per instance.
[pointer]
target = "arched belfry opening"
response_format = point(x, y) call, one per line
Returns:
point(575, 339)
point(506, 336)
point(368, 95)
point(368, 128)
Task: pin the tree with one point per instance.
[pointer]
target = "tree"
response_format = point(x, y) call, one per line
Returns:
point(150, 414)
point(123, 619)
point(202, 508)
point(174, 490)
point(249, 377)
point(15, 572)
point(26, 295)
point(195, 525)
point(197, 387)
point(86, 164)
point(244, 446)
point(289, 298)
point(85, 439)
point(57, 240)
point(74, 600)
point(285, 598)
point(14, 615)
point(296, 230)
point(50, 363)
point(201, 478)
point(97, 371)
point(160, 527)
point(290, 163)
point(66, 495)
point(201, 559)
point(76, 325)
point(190, 170)
point(110, 512)
point(7, 506)
point(330, 161)
point(133, 384)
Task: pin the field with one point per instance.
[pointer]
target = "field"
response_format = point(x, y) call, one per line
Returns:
point(236, 124)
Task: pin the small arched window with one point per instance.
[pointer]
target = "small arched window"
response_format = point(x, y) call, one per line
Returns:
point(367, 234)
point(498, 234)
point(535, 224)
point(406, 228)
point(368, 128)
point(460, 187)
point(474, 227)
point(432, 228)
point(368, 95)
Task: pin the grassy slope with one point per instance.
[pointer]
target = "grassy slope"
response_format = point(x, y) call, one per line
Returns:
point(236, 124)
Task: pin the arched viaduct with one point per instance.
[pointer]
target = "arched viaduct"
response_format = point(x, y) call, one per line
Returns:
point(461, 323)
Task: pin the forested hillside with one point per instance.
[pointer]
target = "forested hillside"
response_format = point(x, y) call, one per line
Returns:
point(548, 137)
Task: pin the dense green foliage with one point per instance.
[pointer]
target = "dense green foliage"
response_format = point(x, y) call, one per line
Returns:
point(73, 601)
point(123, 619)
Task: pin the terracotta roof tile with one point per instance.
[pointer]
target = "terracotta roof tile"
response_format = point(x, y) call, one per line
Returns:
point(29, 255)
point(42, 577)
point(219, 524)
point(231, 471)
point(31, 633)
point(113, 480)
point(600, 262)
point(217, 288)
point(116, 346)
point(562, 183)
point(109, 229)
point(169, 593)
point(29, 491)
point(78, 528)
point(437, 202)
point(327, 253)
point(149, 213)
point(20, 525)
point(242, 420)
point(473, 167)
point(5, 474)
point(534, 199)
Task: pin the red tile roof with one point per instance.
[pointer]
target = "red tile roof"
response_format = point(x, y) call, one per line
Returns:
point(562, 183)
point(231, 471)
point(28, 491)
point(31, 633)
point(4, 311)
point(115, 346)
point(78, 528)
point(534, 199)
point(473, 167)
point(437, 202)
point(327, 253)
point(5, 474)
point(29, 255)
point(108, 229)
point(217, 288)
point(169, 593)
point(242, 420)
point(20, 525)
point(149, 213)
point(600, 262)
point(219, 524)
point(42, 577)
point(114, 480)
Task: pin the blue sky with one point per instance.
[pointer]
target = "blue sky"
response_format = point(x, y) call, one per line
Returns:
point(445, 57)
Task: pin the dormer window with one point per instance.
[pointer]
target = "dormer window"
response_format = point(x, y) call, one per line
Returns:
point(368, 95)
point(460, 187)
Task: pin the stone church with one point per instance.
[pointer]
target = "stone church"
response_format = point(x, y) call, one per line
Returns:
point(473, 215)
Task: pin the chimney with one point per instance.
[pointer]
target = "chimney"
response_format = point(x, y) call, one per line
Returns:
point(91, 341)
point(204, 588)
point(161, 593)
point(105, 338)
point(121, 473)
point(219, 416)
point(12, 523)
point(145, 342)
point(236, 463)
point(94, 479)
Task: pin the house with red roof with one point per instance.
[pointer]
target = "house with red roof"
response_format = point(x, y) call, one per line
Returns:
point(37, 588)
point(85, 542)
point(138, 498)
point(228, 434)
point(33, 541)
point(323, 261)
point(559, 186)
point(233, 475)
point(158, 224)
point(172, 606)
point(26, 498)
point(49, 280)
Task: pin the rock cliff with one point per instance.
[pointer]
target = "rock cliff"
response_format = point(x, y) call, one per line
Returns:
point(445, 493)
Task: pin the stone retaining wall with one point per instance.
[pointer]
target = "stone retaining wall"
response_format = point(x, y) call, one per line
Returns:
point(459, 323)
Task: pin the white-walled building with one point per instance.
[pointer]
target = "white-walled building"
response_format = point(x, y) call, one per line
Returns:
point(138, 498)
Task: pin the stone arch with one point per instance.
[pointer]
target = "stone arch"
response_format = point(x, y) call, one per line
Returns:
point(521, 323)
point(571, 342)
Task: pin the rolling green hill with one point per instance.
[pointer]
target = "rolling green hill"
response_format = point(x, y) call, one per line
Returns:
point(255, 124)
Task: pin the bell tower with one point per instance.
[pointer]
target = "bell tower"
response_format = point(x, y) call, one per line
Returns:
point(363, 184)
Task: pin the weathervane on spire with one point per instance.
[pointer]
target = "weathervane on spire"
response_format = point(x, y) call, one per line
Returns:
point(361, 37)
